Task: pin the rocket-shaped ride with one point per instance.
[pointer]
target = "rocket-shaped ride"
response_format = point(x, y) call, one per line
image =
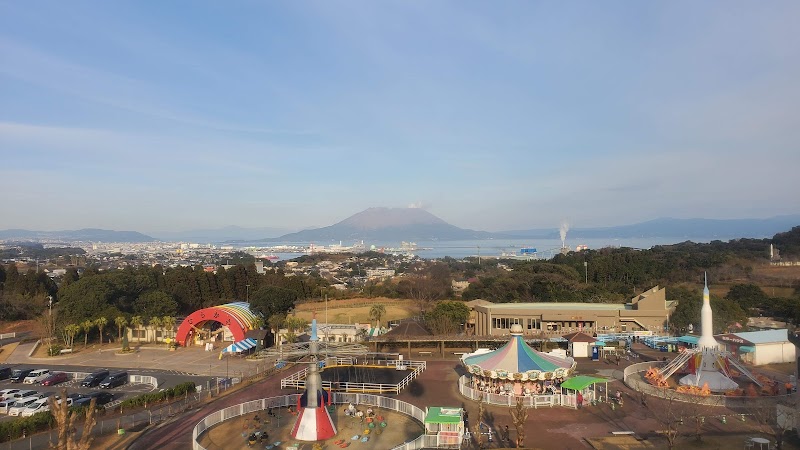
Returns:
point(313, 423)
point(706, 321)
point(708, 365)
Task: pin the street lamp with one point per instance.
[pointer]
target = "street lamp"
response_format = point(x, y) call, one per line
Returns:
point(586, 270)
point(50, 328)
point(248, 293)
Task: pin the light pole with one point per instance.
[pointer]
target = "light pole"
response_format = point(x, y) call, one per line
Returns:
point(247, 294)
point(586, 270)
point(50, 326)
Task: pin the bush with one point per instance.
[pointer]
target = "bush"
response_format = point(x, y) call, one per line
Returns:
point(54, 350)
point(38, 422)
point(157, 397)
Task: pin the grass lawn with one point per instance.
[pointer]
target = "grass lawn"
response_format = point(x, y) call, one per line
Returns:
point(357, 310)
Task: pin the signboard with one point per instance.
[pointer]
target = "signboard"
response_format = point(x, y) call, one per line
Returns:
point(733, 339)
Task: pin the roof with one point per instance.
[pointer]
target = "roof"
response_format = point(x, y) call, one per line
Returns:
point(579, 337)
point(256, 334)
point(557, 306)
point(766, 336)
point(441, 414)
point(581, 382)
point(689, 339)
point(517, 357)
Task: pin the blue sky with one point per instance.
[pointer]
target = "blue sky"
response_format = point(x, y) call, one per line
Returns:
point(158, 116)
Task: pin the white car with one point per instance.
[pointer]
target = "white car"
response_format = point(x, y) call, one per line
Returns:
point(21, 404)
point(6, 393)
point(5, 405)
point(41, 406)
point(36, 376)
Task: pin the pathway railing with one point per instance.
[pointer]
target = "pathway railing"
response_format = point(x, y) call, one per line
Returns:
point(532, 401)
point(423, 441)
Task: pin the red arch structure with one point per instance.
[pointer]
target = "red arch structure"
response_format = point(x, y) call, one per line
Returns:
point(236, 316)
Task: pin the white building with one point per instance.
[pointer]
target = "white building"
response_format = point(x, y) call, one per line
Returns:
point(760, 347)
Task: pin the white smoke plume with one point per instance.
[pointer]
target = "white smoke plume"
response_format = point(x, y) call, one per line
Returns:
point(419, 205)
point(563, 232)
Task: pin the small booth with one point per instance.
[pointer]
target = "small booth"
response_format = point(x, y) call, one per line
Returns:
point(579, 344)
point(447, 424)
point(583, 385)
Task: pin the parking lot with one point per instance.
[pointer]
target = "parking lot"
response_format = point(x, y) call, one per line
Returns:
point(73, 385)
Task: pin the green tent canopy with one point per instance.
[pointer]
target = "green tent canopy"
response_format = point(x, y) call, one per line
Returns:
point(437, 414)
point(581, 382)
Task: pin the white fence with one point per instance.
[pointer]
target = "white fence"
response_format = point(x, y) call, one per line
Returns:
point(532, 401)
point(143, 379)
point(423, 441)
point(298, 380)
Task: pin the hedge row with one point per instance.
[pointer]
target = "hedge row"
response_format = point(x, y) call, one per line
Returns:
point(13, 429)
point(157, 397)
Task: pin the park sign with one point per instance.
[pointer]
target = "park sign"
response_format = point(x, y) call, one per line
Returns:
point(733, 339)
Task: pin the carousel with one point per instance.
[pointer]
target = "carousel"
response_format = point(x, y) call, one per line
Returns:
point(517, 369)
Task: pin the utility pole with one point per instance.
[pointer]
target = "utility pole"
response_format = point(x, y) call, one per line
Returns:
point(586, 270)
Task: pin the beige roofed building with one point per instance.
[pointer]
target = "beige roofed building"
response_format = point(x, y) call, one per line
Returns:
point(647, 311)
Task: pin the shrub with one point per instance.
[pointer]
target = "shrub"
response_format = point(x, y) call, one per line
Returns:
point(11, 430)
point(157, 397)
point(54, 350)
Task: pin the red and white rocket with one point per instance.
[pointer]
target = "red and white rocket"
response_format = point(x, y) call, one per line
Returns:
point(313, 423)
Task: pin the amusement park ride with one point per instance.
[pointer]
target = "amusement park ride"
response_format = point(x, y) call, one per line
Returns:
point(313, 422)
point(708, 365)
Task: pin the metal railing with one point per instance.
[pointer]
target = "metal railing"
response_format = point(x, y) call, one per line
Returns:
point(297, 380)
point(632, 378)
point(423, 441)
point(532, 401)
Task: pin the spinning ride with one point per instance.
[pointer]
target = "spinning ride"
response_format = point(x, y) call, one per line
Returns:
point(313, 419)
point(516, 368)
point(708, 367)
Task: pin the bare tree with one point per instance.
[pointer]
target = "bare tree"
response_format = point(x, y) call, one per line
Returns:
point(774, 416)
point(478, 435)
point(66, 421)
point(672, 410)
point(519, 415)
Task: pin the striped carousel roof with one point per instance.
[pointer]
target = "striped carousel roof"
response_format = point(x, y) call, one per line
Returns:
point(518, 357)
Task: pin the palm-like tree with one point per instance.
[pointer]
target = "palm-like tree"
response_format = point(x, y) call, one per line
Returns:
point(101, 323)
point(276, 321)
point(121, 321)
point(136, 322)
point(377, 312)
point(87, 326)
point(70, 331)
point(155, 322)
point(169, 323)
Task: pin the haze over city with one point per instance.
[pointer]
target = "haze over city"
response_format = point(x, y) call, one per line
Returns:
point(176, 116)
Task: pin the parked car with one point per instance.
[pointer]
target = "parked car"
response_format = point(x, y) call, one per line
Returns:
point(41, 406)
point(20, 405)
point(101, 398)
point(5, 372)
point(17, 375)
point(21, 393)
point(114, 380)
point(36, 376)
point(5, 405)
point(94, 378)
point(7, 393)
point(55, 378)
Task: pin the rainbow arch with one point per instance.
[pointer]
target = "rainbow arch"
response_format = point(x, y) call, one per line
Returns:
point(236, 316)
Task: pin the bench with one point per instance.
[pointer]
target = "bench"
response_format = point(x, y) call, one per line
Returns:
point(65, 350)
point(622, 433)
point(425, 353)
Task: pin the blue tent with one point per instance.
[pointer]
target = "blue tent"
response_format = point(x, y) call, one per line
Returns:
point(237, 347)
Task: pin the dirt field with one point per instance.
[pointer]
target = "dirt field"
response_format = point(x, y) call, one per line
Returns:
point(356, 310)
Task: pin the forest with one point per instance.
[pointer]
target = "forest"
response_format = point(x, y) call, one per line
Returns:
point(610, 275)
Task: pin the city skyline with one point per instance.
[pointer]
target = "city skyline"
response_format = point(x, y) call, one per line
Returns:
point(128, 116)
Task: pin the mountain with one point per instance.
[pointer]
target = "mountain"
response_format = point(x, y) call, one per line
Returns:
point(722, 229)
point(386, 225)
point(85, 234)
point(229, 233)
